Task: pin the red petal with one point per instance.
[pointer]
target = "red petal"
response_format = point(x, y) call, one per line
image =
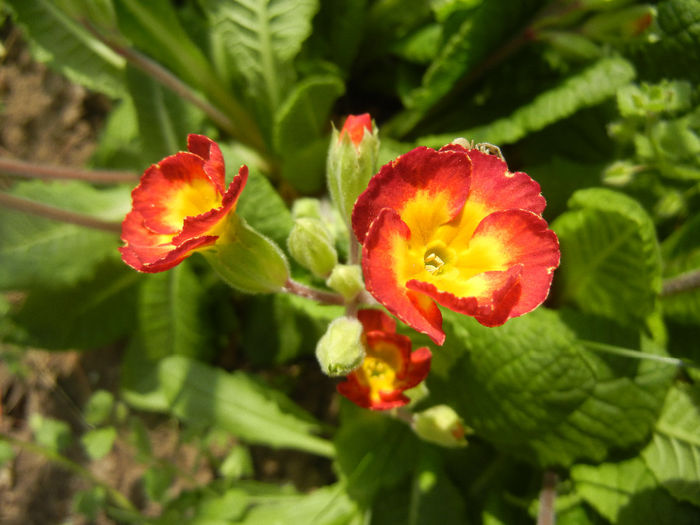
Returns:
point(501, 291)
point(496, 187)
point(201, 224)
point(373, 319)
point(423, 169)
point(355, 126)
point(379, 263)
point(213, 159)
point(418, 367)
point(160, 184)
point(531, 244)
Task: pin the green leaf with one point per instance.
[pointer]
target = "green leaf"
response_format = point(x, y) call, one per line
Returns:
point(676, 51)
point(50, 433)
point(157, 480)
point(588, 88)
point(674, 452)
point(172, 315)
point(531, 388)
point(97, 443)
point(627, 493)
point(262, 37)
point(40, 252)
point(328, 505)
point(611, 262)
point(64, 44)
point(479, 32)
point(303, 116)
point(373, 451)
point(201, 394)
point(164, 119)
point(89, 502)
point(681, 253)
point(92, 313)
point(98, 408)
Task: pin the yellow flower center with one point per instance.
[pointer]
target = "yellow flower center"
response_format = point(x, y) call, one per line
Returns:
point(442, 251)
point(191, 200)
point(379, 368)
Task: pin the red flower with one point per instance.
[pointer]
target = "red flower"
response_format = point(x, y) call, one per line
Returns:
point(179, 207)
point(454, 227)
point(389, 367)
point(355, 126)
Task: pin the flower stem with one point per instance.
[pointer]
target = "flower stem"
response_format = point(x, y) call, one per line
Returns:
point(43, 171)
point(681, 283)
point(51, 212)
point(117, 497)
point(320, 296)
point(548, 494)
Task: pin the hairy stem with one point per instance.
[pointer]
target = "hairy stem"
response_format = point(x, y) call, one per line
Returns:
point(51, 212)
point(681, 283)
point(548, 494)
point(319, 296)
point(43, 171)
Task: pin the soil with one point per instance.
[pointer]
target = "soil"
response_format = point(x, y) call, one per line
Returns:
point(46, 119)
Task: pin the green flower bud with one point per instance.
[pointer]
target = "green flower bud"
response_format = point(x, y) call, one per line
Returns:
point(352, 160)
point(247, 260)
point(341, 349)
point(312, 246)
point(307, 208)
point(623, 24)
point(441, 425)
point(346, 279)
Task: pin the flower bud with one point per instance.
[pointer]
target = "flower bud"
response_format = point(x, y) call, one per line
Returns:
point(247, 260)
point(352, 159)
point(311, 245)
point(346, 279)
point(306, 208)
point(440, 425)
point(341, 349)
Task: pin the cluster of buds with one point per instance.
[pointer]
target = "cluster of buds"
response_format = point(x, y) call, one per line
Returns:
point(452, 227)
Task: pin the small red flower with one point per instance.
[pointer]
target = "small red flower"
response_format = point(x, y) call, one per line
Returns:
point(355, 126)
point(179, 207)
point(389, 367)
point(455, 227)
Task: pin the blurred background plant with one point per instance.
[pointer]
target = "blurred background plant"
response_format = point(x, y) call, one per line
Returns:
point(211, 402)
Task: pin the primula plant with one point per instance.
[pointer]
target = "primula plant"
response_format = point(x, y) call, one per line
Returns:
point(443, 254)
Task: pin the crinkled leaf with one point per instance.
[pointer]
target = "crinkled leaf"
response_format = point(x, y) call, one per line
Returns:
point(67, 46)
point(674, 452)
point(611, 263)
point(627, 493)
point(92, 313)
point(39, 252)
point(532, 388)
point(588, 88)
point(236, 402)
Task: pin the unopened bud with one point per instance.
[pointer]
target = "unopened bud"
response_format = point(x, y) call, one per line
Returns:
point(441, 425)
point(306, 208)
point(352, 159)
point(341, 349)
point(311, 245)
point(626, 23)
point(346, 279)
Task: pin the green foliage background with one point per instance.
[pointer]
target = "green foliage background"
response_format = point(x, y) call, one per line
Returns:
point(597, 100)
